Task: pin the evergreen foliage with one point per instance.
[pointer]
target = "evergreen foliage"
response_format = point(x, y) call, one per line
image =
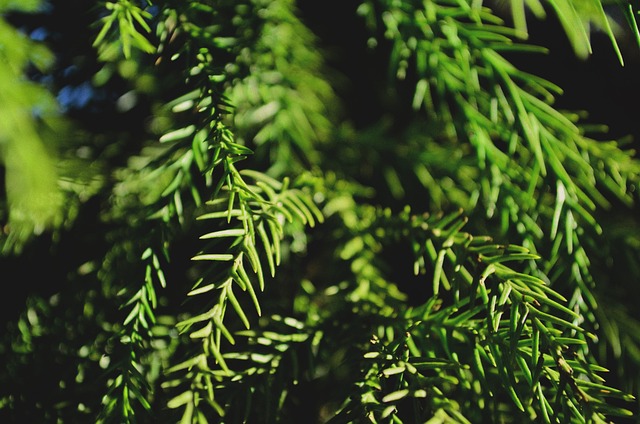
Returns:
point(200, 229)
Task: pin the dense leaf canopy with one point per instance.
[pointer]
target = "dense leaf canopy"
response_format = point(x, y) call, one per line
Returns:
point(349, 211)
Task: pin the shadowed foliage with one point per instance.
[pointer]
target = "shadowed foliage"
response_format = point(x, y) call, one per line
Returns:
point(348, 211)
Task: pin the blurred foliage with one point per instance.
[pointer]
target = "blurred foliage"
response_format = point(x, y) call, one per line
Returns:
point(199, 225)
point(32, 194)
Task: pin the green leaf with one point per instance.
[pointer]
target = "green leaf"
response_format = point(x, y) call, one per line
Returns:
point(232, 232)
point(395, 396)
point(224, 257)
point(182, 399)
point(236, 305)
